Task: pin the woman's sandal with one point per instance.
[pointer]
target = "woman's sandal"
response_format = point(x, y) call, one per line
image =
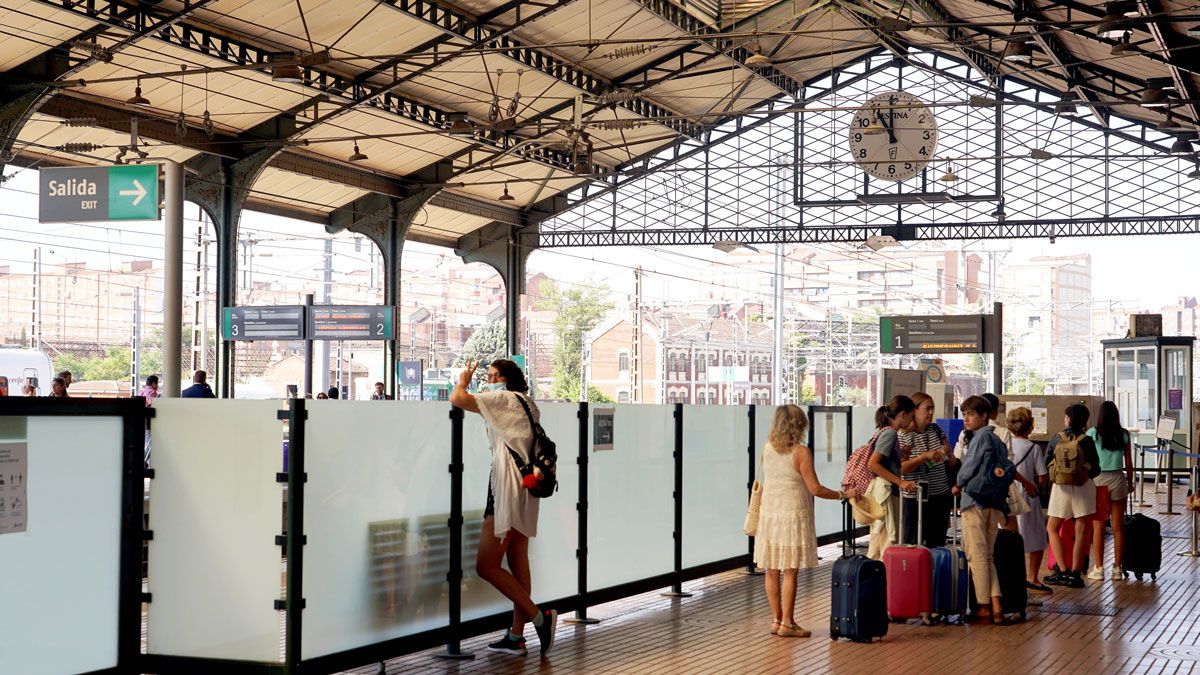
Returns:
point(1001, 620)
point(775, 626)
point(793, 631)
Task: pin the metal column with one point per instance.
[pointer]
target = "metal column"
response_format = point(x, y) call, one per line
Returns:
point(173, 283)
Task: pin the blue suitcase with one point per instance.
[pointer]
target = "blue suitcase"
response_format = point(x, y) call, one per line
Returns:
point(859, 606)
point(951, 586)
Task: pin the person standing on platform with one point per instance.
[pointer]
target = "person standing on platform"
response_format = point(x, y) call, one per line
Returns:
point(885, 463)
point(1031, 473)
point(67, 379)
point(980, 524)
point(378, 394)
point(787, 532)
point(511, 514)
point(926, 464)
point(29, 390)
point(1113, 486)
point(1073, 464)
point(149, 392)
point(58, 388)
point(199, 388)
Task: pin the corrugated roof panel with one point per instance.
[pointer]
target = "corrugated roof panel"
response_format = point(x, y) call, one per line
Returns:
point(305, 192)
point(468, 84)
point(237, 99)
point(383, 31)
point(699, 94)
point(609, 20)
point(445, 223)
point(48, 133)
point(31, 28)
point(524, 182)
point(419, 146)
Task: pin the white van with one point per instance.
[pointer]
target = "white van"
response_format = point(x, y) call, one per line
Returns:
point(26, 365)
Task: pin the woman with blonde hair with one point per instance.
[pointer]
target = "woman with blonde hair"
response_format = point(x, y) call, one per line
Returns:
point(787, 531)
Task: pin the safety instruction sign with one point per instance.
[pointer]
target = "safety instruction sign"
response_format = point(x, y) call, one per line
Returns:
point(602, 429)
point(14, 473)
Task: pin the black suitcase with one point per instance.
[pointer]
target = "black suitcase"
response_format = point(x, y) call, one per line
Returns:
point(859, 606)
point(1143, 546)
point(1008, 555)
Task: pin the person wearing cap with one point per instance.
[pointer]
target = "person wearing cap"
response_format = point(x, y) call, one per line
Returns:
point(787, 533)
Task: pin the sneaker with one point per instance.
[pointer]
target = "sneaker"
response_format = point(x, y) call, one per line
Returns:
point(1118, 573)
point(546, 630)
point(1075, 580)
point(509, 645)
point(1056, 578)
point(1096, 574)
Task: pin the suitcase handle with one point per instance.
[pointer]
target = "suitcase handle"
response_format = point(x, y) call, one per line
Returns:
point(920, 515)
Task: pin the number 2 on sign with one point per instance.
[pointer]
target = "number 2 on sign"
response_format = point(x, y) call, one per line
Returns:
point(379, 329)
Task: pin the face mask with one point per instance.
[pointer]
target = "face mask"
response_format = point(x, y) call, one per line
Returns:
point(493, 386)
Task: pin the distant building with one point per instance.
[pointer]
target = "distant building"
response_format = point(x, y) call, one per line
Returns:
point(1048, 314)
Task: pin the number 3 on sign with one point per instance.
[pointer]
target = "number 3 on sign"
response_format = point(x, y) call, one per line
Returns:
point(234, 328)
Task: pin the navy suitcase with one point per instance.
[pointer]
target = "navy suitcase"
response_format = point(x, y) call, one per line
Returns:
point(859, 606)
point(1143, 546)
point(951, 585)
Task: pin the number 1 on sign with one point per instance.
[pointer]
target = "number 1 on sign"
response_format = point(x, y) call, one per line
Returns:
point(897, 342)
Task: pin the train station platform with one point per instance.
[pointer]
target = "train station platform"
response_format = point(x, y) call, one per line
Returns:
point(1107, 627)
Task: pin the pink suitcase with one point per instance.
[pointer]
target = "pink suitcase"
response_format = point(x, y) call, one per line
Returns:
point(1067, 533)
point(909, 571)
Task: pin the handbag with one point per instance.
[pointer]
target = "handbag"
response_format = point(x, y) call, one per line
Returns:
point(750, 526)
point(1017, 505)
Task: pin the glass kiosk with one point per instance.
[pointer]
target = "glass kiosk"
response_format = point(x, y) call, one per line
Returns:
point(1148, 378)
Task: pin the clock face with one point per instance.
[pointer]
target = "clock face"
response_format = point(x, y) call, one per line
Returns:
point(906, 143)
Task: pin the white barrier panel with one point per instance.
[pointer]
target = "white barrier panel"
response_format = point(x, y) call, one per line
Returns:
point(631, 513)
point(829, 460)
point(60, 587)
point(552, 562)
point(375, 511)
point(715, 468)
point(215, 510)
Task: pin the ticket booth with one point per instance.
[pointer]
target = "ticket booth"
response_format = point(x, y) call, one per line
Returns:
point(1149, 378)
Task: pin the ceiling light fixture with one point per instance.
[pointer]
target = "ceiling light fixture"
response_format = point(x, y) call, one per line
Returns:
point(1116, 19)
point(1040, 154)
point(460, 125)
point(757, 59)
point(729, 246)
point(1194, 173)
point(878, 241)
point(949, 176)
point(999, 213)
point(358, 156)
point(507, 197)
point(287, 72)
point(137, 98)
point(1181, 146)
point(1066, 106)
point(1155, 95)
point(1017, 51)
point(979, 101)
point(1123, 46)
point(1172, 125)
point(873, 129)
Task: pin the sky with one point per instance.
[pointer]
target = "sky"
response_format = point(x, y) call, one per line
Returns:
point(1150, 270)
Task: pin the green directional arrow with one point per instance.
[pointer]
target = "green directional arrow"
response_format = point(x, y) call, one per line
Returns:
point(133, 192)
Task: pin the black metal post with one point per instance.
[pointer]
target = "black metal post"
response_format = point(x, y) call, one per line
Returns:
point(581, 550)
point(677, 585)
point(129, 608)
point(308, 353)
point(751, 455)
point(454, 574)
point(293, 603)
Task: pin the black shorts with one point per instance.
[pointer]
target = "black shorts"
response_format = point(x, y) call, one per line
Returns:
point(490, 509)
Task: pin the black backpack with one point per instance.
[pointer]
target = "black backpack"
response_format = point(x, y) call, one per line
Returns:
point(545, 457)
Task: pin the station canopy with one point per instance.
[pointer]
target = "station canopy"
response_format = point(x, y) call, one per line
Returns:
point(514, 113)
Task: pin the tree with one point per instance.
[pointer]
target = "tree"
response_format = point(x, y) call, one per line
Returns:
point(488, 343)
point(578, 309)
point(597, 396)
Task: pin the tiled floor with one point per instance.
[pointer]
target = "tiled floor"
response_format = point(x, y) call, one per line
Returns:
point(722, 628)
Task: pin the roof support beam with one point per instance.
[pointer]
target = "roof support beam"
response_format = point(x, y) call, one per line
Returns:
point(1059, 55)
point(462, 26)
point(1168, 40)
point(126, 15)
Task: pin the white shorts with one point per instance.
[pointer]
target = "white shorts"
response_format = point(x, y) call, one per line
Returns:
point(1072, 501)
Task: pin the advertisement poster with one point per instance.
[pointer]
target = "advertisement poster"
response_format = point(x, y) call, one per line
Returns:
point(14, 471)
point(602, 429)
point(1039, 421)
point(1174, 399)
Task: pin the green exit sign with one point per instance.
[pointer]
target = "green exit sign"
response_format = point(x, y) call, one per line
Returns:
point(102, 193)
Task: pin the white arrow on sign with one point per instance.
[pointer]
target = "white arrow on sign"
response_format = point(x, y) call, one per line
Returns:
point(137, 194)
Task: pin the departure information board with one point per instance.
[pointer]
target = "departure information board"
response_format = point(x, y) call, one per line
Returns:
point(351, 322)
point(264, 323)
point(954, 334)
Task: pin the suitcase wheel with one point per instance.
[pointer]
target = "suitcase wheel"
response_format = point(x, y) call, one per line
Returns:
point(1153, 576)
point(1138, 576)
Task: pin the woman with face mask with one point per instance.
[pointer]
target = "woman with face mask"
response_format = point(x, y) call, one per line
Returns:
point(510, 517)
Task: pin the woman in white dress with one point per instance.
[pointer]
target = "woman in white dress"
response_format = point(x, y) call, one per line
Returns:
point(510, 516)
point(787, 532)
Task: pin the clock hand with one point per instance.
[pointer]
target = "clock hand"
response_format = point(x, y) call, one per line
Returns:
point(887, 124)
